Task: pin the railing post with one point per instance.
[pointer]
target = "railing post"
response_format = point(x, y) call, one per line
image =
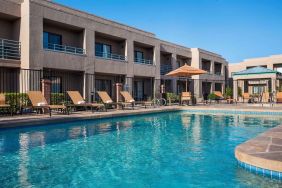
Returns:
point(2, 49)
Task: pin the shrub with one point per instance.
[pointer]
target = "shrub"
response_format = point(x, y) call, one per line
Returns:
point(213, 96)
point(58, 98)
point(228, 92)
point(239, 92)
point(17, 99)
point(172, 97)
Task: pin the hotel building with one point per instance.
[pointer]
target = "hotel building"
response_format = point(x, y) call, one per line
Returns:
point(76, 50)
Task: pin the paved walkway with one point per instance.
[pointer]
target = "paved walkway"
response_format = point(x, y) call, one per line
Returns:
point(264, 151)
point(34, 119)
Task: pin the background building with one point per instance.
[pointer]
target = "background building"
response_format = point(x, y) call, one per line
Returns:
point(257, 75)
point(76, 50)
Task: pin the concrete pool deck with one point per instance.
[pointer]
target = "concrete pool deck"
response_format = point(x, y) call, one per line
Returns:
point(37, 119)
point(263, 151)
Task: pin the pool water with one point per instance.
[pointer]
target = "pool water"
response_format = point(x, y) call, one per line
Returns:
point(175, 149)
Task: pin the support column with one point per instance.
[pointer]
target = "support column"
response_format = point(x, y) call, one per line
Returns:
point(157, 87)
point(89, 87)
point(129, 84)
point(174, 66)
point(235, 89)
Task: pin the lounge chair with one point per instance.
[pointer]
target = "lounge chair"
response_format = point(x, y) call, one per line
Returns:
point(39, 102)
point(246, 96)
point(3, 104)
point(279, 97)
point(108, 102)
point(129, 99)
point(78, 101)
point(265, 97)
point(185, 96)
point(221, 97)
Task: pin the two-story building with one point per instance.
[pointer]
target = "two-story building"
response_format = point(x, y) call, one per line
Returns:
point(76, 50)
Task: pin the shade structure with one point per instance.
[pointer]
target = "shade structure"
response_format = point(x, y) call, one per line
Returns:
point(186, 71)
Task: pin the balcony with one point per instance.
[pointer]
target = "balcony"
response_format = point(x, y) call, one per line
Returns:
point(143, 61)
point(10, 49)
point(64, 49)
point(166, 68)
point(110, 56)
point(218, 73)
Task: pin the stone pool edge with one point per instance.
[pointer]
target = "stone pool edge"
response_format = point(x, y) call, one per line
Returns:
point(261, 155)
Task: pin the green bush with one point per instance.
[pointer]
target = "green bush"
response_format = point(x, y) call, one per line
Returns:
point(17, 99)
point(239, 92)
point(213, 96)
point(58, 98)
point(172, 97)
point(228, 92)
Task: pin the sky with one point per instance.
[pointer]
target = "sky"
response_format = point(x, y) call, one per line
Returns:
point(235, 29)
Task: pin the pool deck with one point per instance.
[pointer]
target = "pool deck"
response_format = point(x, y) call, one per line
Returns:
point(37, 119)
point(263, 151)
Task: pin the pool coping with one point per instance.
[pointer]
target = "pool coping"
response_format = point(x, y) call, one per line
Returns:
point(43, 120)
point(262, 154)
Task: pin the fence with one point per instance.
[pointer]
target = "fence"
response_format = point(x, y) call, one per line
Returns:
point(15, 83)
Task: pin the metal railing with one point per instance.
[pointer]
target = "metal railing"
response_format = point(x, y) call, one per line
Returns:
point(10, 49)
point(218, 73)
point(64, 49)
point(165, 69)
point(143, 61)
point(111, 56)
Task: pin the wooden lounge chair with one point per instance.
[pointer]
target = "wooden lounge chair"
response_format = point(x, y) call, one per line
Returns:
point(3, 104)
point(39, 102)
point(265, 97)
point(185, 96)
point(108, 102)
point(246, 96)
point(129, 99)
point(221, 97)
point(279, 97)
point(78, 101)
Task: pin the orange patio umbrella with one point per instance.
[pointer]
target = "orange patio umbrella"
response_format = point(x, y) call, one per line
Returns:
point(186, 71)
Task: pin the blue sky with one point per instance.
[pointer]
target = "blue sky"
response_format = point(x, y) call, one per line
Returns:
point(236, 29)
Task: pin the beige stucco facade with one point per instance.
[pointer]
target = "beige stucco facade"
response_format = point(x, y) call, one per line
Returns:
point(26, 21)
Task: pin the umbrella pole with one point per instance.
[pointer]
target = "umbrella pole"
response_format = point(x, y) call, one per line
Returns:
point(186, 84)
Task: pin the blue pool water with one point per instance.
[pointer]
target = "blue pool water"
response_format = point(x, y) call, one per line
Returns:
point(175, 149)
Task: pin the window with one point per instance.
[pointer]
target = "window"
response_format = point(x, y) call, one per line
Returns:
point(56, 85)
point(103, 85)
point(138, 56)
point(51, 39)
point(103, 50)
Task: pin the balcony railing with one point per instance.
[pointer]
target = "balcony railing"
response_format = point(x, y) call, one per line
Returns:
point(143, 61)
point(218, 73)
point(165, 69)
point(110, 56)
point(64, 49)
point(10, 49)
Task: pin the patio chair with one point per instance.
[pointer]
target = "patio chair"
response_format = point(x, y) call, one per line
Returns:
point(185, 96)
point(221, 97)
point(38, 102)
point(279, 97)
point(246, 96)
point(78, 101)
point(265, 97)
point(108, 102)
point(4, 105)
point(129, 99)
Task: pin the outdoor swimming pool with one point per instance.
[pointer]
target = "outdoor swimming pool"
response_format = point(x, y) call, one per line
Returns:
point(175, 149)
